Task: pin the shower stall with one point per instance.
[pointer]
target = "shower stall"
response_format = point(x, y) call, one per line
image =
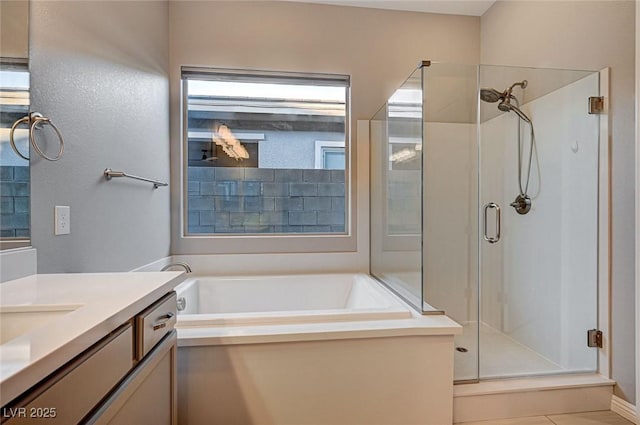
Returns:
point(486, 186)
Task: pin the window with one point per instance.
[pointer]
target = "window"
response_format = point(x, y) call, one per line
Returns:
point(330, 155)
point(265, 153)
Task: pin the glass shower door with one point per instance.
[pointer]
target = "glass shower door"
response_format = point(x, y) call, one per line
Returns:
point(538, 221)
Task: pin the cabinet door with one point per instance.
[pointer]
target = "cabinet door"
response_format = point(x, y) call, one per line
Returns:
point(149, 395)
point(75, 389)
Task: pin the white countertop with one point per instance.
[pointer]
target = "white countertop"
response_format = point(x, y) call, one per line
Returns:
point(104, 301)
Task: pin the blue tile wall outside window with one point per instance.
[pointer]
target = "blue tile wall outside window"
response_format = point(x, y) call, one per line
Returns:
point(250, 145)
point(14, 201)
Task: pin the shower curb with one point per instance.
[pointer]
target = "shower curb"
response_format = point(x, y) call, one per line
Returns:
point(541, 396)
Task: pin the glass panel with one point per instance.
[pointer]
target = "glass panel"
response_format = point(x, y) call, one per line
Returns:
point(539, 281)
point(266, 157)
point(450, 204)
point(334, 159)
point(396, 191)
point(521, 233)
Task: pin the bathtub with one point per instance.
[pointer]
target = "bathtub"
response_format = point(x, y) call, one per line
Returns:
point(313, 349)
point(272, 300)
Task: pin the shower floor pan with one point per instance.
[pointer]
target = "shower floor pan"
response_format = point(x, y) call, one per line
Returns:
point(500, 356)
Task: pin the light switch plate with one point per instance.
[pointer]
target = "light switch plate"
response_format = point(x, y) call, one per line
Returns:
point(62, 217)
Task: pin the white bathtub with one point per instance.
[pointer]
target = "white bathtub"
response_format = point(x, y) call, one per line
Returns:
point(272, 300)
point(313, 349)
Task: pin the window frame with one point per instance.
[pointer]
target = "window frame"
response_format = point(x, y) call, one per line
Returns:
point(253, 243)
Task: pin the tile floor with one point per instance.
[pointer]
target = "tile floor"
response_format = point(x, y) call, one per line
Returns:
point(588, 418)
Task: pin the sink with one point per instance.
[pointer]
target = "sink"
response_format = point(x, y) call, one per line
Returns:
point(16, 320)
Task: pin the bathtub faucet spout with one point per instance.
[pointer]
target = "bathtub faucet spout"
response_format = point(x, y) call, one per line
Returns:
point(185, 266)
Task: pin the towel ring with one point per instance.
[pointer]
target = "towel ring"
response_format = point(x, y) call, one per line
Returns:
point(12, 142)
point(35, 118)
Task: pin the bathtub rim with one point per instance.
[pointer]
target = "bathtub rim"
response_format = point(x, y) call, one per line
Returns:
point(289, 316)
point(438, 325)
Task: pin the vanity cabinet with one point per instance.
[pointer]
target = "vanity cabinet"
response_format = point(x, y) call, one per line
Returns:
point(148, 395)
point(128, 377)
point(71, 392)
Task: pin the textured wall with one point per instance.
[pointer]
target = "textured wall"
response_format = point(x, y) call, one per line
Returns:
point(552, 35)
point(279, 149)
point(99, 70)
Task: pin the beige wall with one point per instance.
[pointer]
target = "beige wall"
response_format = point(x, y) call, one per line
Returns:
point(586, 35)
point(14, 29)
point(637, 157)
point(379, 49)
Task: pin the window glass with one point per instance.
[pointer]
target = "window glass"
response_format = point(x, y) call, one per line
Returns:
point(334, 159)
point(251, 150)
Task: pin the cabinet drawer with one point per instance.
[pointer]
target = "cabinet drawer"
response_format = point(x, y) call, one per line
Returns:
point(72, 392)
point(154, 323)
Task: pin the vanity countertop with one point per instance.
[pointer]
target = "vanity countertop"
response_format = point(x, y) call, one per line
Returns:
point(83, 308)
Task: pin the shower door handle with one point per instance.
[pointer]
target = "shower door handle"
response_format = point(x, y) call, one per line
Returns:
point(487, 207)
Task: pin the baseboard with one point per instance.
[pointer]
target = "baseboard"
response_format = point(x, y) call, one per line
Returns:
point(624, 409)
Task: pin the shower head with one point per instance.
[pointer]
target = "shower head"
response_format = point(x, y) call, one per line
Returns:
point(491, 95)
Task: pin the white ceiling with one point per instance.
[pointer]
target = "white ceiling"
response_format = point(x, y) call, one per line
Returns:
point(450, 7)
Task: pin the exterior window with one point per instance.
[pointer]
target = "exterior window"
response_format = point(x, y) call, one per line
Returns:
point(265, 152)
point(330, 155)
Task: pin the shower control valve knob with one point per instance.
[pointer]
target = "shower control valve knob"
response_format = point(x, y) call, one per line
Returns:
point(522, 204)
